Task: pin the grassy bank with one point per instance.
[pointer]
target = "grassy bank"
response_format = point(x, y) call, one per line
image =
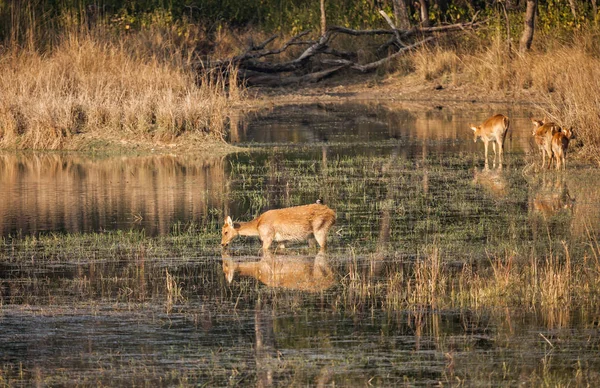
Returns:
point(113, 84)
point(130, 89)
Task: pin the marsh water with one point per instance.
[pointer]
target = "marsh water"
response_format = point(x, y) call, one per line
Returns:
point(111, 271)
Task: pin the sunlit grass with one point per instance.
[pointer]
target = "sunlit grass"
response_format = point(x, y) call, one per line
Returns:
point(92, 86)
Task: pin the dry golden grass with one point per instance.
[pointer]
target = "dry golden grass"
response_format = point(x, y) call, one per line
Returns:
point(556, 286)
point(446, 63)
point(96, 87)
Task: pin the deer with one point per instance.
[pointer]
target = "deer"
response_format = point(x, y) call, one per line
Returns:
point(492, 130)
point(560, 143)
point(296, 223)
point(543, 133)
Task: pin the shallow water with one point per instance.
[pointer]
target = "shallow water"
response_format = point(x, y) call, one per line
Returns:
point(111, 272)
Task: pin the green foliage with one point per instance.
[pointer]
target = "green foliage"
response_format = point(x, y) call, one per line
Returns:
point(556, 17)
point(23, 22)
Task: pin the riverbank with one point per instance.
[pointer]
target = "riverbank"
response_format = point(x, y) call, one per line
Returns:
point(409, 91)
point(95, 93)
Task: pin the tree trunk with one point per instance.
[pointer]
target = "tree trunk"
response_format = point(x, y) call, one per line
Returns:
point(573, 9)
point(323, 19)
point(401, 14)
point(595, 11)
point(527, 36)
point(424, 13)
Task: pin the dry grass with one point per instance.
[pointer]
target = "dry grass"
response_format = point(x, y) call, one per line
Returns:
point(430, 281)
point(446, 64)
point(556, 286)
point(98, 87)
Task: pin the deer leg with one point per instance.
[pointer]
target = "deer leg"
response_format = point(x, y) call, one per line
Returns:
point(266, 243)
point(543, 158)
point(501, 150)
point(550, 157)
point(485, 142)
point(321, 237)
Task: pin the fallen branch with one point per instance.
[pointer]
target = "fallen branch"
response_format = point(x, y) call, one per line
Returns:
point(277, 80)
point(374, 65)
point(255, 70)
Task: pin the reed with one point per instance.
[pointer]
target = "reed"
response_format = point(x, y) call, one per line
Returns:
point(93, 86)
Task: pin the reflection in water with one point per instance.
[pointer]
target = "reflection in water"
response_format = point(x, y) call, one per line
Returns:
point(492, 180)
point(553, 197)
point(424, 285)
point(370, 122)
point(61, 192)
point(290, 272)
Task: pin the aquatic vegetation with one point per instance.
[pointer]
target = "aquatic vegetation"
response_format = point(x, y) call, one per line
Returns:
point(437, 272)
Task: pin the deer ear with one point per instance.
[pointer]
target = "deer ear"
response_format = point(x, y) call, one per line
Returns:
point(228, 221)
point(474, 128)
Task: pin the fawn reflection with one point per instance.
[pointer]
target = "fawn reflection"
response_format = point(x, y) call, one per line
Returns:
point(552, 198)
point(302, 273)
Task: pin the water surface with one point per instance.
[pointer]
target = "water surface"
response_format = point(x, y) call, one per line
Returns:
point(111, 271)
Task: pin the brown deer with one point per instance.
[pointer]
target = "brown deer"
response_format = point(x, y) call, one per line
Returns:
point(294, 273)
point(289, 224)
point(492, 130)
point(560, 143)
point(542, 133)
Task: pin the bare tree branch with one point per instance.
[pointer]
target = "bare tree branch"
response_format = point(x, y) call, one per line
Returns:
point(254, 69)
point(374, 65)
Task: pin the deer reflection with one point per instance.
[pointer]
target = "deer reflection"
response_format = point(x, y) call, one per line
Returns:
point(291, 272)
point(492, 180)
point(552, 198)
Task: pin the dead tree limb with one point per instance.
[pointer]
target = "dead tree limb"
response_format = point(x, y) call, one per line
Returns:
point(374, 65)
point(259, 52)
point(276, 80)
point(320, 54)
point(391, 24)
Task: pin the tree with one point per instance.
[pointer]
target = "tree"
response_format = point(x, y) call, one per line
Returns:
point(401, 14)
point(323, 19)
point(527, 36)
point(424, 13)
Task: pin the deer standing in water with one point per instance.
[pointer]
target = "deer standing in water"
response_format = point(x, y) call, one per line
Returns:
point(289, 224)
point(560, 143)
point(543, 133)
point(492, 130)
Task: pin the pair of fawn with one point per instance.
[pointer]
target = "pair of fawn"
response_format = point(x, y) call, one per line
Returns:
point(551, 139)
point(289, 224)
